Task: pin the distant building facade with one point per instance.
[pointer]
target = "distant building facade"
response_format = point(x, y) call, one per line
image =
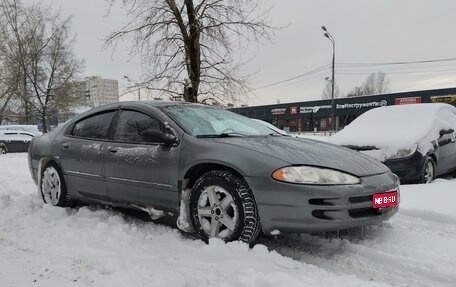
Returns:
point(95, 91)
point(316, 115)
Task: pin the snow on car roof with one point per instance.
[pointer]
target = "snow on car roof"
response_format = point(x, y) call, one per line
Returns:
point(395, 127)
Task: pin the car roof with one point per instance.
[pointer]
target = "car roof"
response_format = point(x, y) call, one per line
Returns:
point(144, 103)
point(129, 104)
point(159, 103)
point(3, 132)
point(396, 127)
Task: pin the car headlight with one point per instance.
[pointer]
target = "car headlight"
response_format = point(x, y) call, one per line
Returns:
point(404, 152)
point(313, 175)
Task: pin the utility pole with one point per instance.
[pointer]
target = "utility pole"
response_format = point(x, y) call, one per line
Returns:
point(136, 84)
point(331, 38)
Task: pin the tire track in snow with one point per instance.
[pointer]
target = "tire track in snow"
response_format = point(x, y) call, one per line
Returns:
point(410, 251)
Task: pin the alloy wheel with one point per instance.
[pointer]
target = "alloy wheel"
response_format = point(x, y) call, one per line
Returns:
point(429, 172)
point(217, 212)
point(51, 186)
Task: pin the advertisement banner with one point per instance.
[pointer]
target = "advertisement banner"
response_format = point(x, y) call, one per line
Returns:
point(312, 109)
point(279, 111)
point(444, 99)
point(362, 105)
point(407, 101)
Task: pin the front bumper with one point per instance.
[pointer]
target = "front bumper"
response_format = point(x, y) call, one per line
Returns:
point(294, 208)
point(408, 169)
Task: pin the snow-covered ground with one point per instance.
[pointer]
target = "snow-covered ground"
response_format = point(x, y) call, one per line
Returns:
point(93, 246)
point(320, 136)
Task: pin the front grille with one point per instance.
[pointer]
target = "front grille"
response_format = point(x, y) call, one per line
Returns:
point(338, 209)
point(321, 201)
point(320, 214)
point(360, 199)
point(364, 212)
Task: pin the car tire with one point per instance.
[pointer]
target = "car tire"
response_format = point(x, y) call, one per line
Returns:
point(222, 205)
point(428, 171)
point(52, 186)
point(2, 150)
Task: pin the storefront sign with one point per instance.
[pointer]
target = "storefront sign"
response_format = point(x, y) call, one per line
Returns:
point(293, 110)
point(279, 111)
point(312, 109)
point(362, 105)
point(407, 101)
point(443, 99)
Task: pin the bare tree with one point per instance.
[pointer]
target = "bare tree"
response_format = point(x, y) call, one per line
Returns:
point(327, 91)
point(191, 43)
point(8, 73)
point(40, 45)
point(376, 83)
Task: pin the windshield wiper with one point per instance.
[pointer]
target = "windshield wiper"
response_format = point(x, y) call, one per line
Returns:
point(222, 135)
point(362, 148)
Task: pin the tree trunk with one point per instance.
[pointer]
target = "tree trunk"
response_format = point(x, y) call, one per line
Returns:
point(194, 53)
point(44, 122)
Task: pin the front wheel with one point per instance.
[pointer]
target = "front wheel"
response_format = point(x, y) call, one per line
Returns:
point(222, 205)
point(429, 171)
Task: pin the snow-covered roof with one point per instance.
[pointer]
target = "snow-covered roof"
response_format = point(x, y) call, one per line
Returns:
point(397, 127)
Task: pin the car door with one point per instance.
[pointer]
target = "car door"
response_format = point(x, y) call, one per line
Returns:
point(141, 172)
point(12, 141)
point(447, 153)
point(24, 141)
point(82, 154)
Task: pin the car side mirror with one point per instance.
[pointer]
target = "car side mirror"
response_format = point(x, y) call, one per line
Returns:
point(444, 132)
point(156, 136)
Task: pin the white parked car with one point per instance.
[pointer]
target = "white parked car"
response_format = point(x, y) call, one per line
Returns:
point(33, 129)
point(417, 142)
point(15, 141)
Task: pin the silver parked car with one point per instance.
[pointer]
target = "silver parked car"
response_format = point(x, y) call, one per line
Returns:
point(225, 175)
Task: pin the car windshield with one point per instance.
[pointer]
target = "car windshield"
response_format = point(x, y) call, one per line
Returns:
point(202, 121)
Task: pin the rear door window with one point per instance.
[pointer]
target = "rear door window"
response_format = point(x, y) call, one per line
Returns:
point(94, 127)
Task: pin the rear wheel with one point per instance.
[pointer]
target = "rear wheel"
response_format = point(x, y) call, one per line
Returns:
point(222, 206)
point(2, 150)
point(53, 188)
point(429, 170)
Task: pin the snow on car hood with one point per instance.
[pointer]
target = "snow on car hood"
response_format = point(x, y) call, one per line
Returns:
point(384, 132)
point(298, 151)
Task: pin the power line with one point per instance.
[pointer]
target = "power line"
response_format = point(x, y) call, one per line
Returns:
point(295, 77)
point(392, 69)
point(395, 63)
point(359, 64)
point(403, 72)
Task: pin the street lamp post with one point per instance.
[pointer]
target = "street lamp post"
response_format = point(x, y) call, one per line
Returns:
point(136, 84)
point(331, 38)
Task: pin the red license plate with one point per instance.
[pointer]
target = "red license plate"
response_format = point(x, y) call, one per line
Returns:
point(387, 199)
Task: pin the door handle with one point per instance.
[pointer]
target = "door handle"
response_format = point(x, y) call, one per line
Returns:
point(65, 145)
point(113, 150)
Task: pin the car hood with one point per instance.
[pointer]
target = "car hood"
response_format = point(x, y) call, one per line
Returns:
point(298, 151)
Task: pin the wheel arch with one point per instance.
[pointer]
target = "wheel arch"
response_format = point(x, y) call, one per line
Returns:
point(42, 162)
point(197, 170)
point(433, 156)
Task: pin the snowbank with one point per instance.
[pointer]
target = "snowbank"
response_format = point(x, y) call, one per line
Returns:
point(93, 246)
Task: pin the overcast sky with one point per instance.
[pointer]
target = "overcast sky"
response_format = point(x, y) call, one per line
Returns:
point(373, 31)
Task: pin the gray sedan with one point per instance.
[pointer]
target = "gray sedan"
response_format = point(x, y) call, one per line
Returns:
point(223, 174)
